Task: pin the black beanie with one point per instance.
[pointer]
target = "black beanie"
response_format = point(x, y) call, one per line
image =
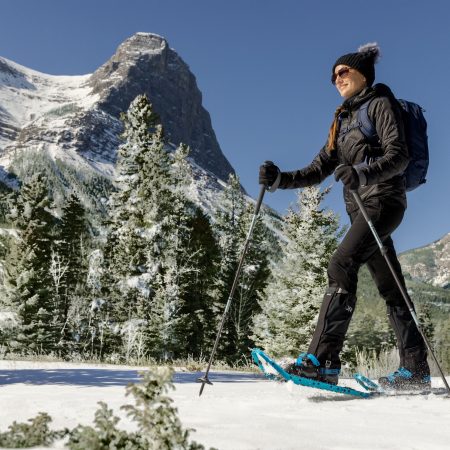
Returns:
point(363, 61)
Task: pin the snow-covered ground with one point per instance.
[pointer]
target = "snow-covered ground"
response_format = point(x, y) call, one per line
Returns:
point(240, 411)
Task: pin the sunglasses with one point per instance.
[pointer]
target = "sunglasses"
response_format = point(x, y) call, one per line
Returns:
point(343, 73)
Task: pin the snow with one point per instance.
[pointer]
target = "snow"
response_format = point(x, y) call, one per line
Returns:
point(240, 411)
point(150, 35)
point(41, 93)
point(31, 97)
point(140, 283)
point(10, 232)
point(8, 320)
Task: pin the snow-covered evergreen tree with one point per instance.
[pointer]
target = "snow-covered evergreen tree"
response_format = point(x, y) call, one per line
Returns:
point(292, 298)
point(90, 314)
point(29, 269)
point(441, 340)
point(196, 255)
point(426, 320)
point(139, 208)
point(198, 326)
point(69, 263)
point(148, 255)
point(8, 199)
point(232, 225)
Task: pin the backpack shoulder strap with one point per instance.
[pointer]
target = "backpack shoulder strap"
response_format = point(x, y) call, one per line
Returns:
point(365, 124)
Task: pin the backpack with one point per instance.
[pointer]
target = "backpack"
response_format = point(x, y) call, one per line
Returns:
point(416, 139)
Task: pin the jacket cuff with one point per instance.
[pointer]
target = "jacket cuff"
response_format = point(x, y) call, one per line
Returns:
point(276, 183)
point(362, 177)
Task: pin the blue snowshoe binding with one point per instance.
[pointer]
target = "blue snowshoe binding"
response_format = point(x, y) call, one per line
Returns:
point(308, 366)
point(405, 380)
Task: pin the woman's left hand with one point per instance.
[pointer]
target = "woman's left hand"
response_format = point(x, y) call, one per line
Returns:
point(348, 175)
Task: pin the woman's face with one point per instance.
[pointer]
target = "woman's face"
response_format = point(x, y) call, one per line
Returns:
point(348, 81)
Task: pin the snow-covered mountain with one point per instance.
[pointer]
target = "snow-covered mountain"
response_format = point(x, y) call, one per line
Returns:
point(430, 264)
point(76, 118)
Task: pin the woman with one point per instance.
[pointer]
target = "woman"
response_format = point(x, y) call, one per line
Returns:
point(376, 172)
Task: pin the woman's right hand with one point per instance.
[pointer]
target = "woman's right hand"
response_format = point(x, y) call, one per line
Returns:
point(268, 173)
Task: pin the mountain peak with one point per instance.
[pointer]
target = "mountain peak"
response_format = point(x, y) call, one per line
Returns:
point(63, 114)
point(145, 64)
point(142, 43)
point(147, 41)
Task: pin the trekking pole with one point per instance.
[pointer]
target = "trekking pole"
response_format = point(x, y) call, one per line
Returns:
point(383, 250)
point(205, 380)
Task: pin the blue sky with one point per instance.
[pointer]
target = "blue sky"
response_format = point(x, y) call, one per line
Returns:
point(264, 70)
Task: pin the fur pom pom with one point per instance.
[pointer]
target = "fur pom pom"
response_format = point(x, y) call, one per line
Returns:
point(371, 47)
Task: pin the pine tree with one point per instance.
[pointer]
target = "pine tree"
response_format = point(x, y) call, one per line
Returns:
point(29, 277)
point(292, 298)
point(198, 326)
point(8, 202)
point(69, 262)
point(253, 279)
point(426, 321)
point(232, 225)
point(129, 283)
point(91, 314)
point(147, 254)
point(441, 340)
point(176, 260)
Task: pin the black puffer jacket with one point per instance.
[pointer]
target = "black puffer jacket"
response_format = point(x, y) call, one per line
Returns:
point(381, 178)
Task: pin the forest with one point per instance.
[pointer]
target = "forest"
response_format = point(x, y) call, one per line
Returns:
point(133, 269)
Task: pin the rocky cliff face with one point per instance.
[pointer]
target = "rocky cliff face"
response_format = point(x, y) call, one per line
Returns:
point(430, 264)
point(77, 116)
point(145, 64)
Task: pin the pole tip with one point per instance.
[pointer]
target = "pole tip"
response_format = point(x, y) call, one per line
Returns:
point(204, 380)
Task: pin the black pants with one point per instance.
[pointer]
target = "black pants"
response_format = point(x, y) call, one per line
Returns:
point(360, 247)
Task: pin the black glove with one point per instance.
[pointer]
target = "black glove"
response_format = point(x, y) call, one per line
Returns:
point(348, 175)
point(268, 173)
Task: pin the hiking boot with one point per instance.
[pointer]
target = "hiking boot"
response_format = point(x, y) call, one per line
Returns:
point(404, 380)
point(308, 366)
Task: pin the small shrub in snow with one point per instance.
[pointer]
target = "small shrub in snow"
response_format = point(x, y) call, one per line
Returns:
point(36, 432)
point(156, 420)
point(158, 425)
point(104, 434)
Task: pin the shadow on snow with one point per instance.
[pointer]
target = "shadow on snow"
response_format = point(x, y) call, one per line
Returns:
point(107, 377)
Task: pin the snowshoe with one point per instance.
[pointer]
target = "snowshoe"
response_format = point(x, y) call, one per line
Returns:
point(308, 366)
point(405, 380)
point(274, 371)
